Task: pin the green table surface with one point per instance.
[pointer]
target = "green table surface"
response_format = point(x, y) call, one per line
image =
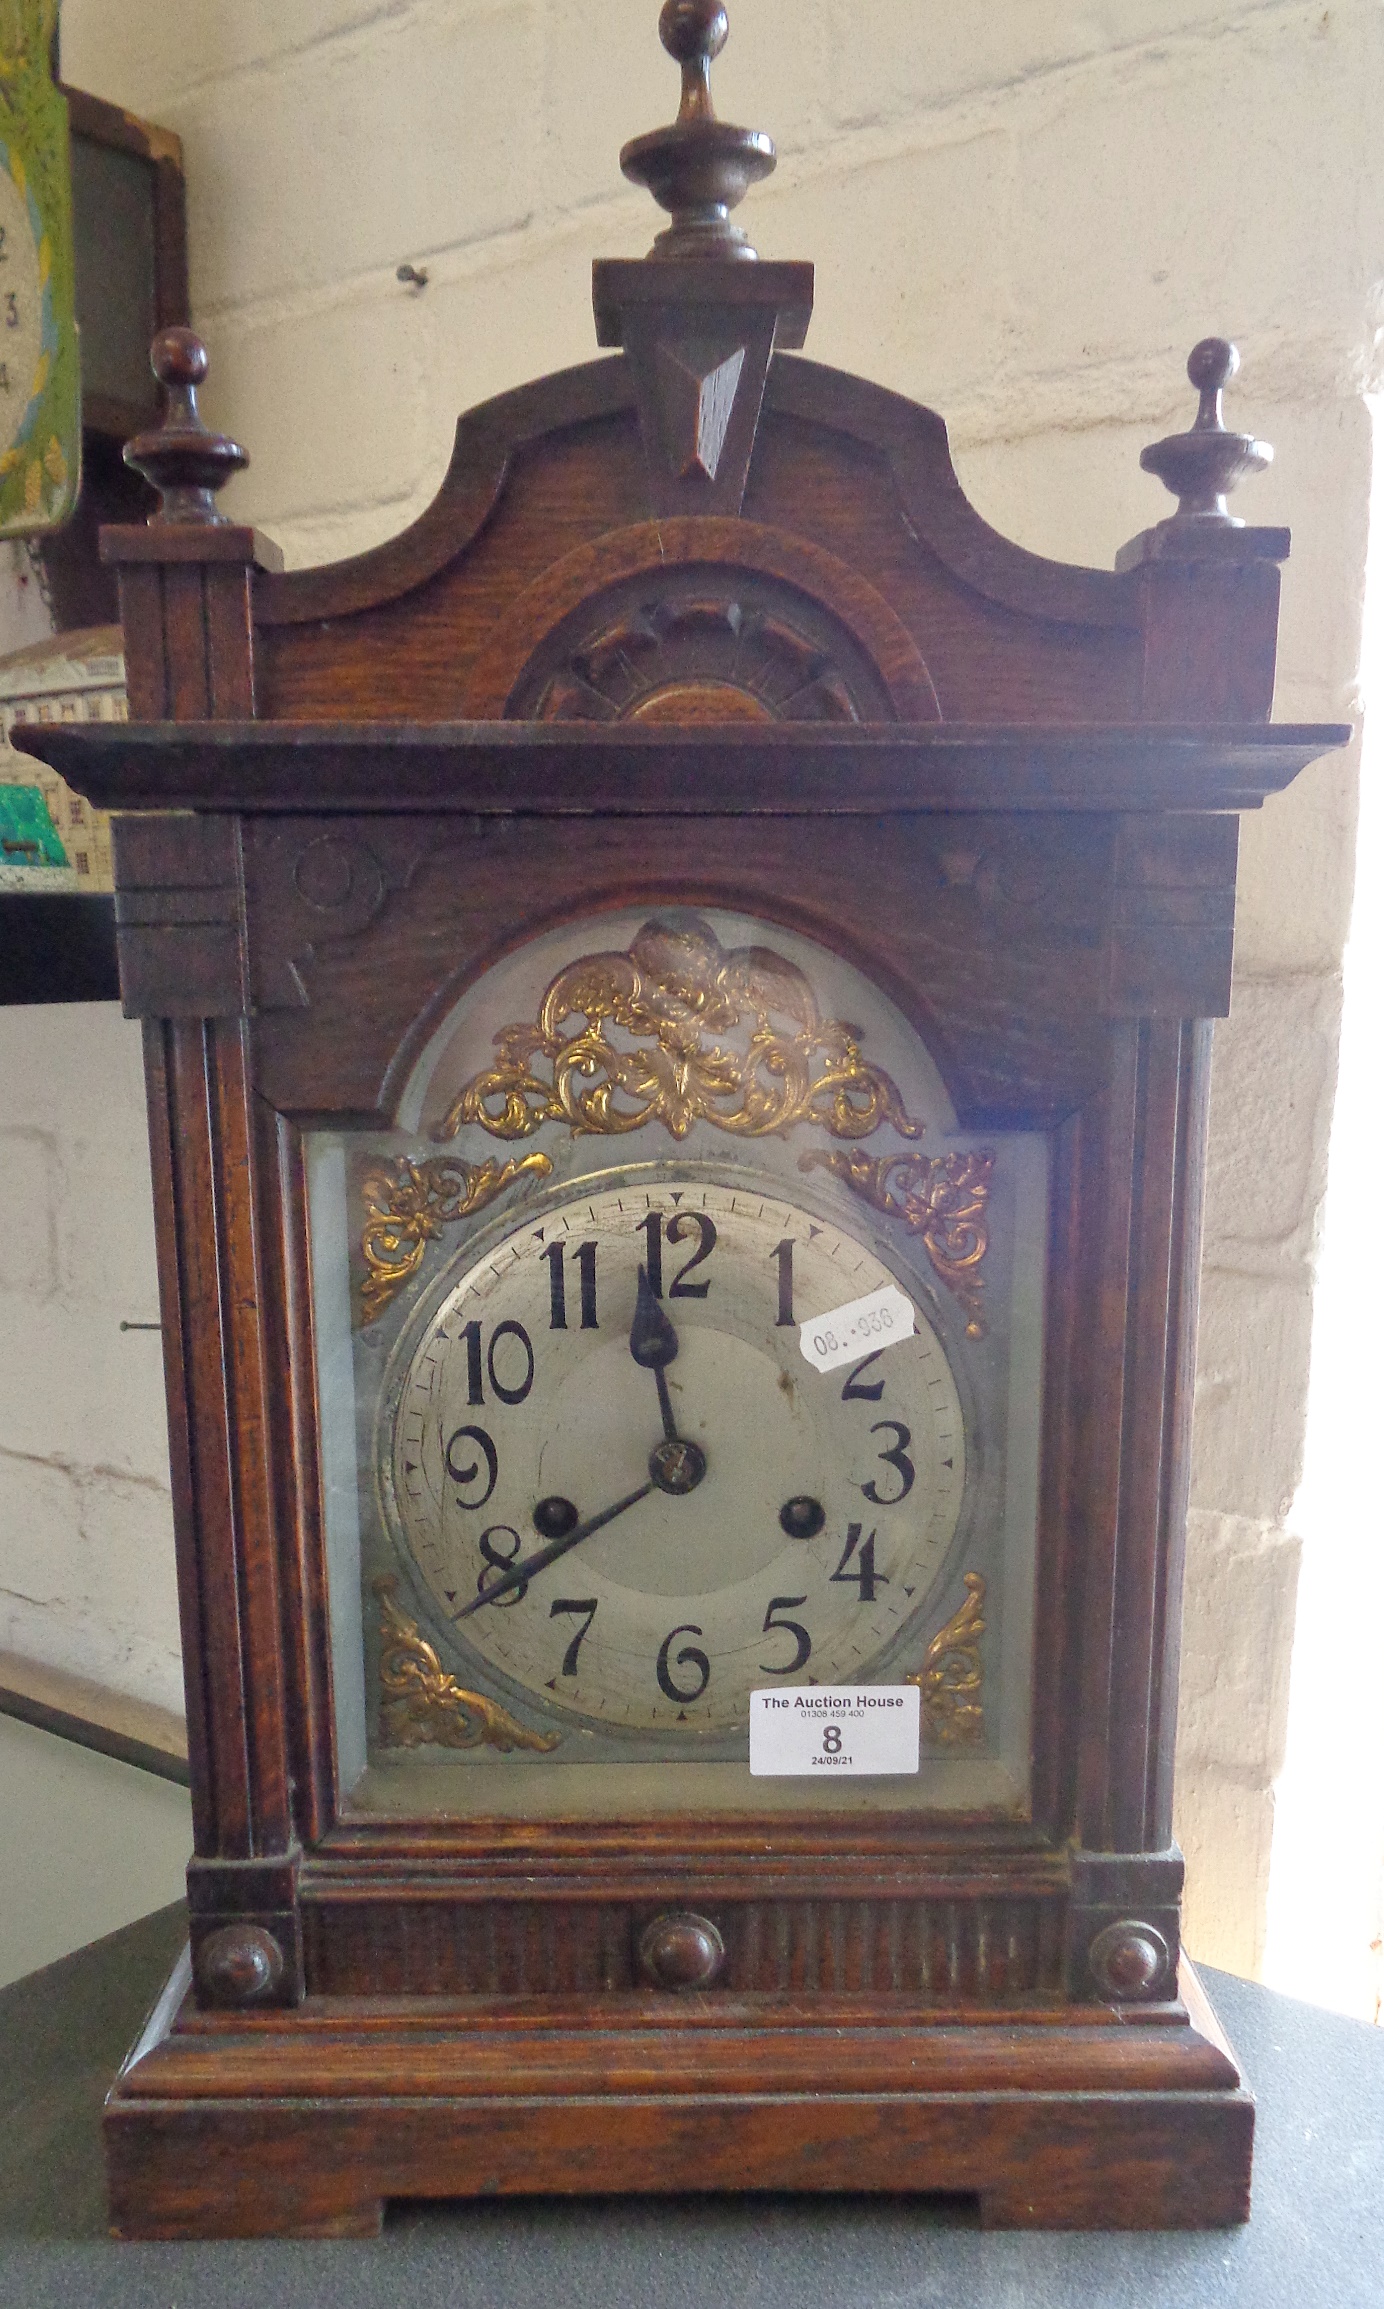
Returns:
point(1316, 2240)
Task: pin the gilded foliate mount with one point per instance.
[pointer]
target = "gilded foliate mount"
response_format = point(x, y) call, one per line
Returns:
point(672, 995)
point(622, 1040)
point(940, 1198)
point(421, 1706)
point(407, 1204)
point(952, 1677)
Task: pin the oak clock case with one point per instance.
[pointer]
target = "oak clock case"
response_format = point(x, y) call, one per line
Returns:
point(698, 822)
point(712, 1121)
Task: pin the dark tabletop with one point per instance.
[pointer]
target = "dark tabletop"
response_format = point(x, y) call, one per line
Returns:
point(1316, 2240)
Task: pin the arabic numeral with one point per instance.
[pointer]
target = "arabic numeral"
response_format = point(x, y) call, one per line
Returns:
point(485, 1456)
point(853, 1392)
point(689, 1657)
point(11, 309)
point(582, 1608)
point(500, 1559)
point(862, 1575)
point(585, 1256)
point(897, 1458)
point(679, 1227)
point(503, 1390)
point(802, 1641)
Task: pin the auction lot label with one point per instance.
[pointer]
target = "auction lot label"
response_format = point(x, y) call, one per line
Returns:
point(834, 1731)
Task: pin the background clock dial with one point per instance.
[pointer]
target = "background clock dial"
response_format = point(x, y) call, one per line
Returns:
point(805, 1541)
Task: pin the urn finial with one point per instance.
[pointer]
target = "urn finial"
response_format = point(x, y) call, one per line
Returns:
point(186, 462)
point(698, 167)
point(1202, 467)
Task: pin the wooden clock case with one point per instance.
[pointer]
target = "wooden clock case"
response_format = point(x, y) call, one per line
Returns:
point(699, 623)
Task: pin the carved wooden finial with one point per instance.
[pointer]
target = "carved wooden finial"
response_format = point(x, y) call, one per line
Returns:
point(699, 166)
point(186, 462)
point(1203, 466)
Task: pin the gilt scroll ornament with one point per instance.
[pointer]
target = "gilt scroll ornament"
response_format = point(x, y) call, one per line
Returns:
point(672, 997)
point(421, 1706)
point(952, 1676)
point(407, 1204)
point(941, 1198)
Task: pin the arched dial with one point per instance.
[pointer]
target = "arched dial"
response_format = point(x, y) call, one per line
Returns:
point(638, 1500)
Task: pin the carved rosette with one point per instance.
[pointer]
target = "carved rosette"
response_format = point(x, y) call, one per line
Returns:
point(941, 1198)
point(709, 657)
point(622, 1040)
point(421, 1706)
point(952, 1676)
point(407, 1204)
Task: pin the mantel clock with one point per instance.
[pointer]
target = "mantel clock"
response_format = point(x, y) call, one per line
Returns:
point(676, 1002)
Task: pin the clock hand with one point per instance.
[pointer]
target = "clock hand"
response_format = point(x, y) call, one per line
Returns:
point(675, 1466)
point(517, 1573)
point(654, 1345)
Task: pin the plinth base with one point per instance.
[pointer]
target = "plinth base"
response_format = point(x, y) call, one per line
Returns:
point(305, 2123)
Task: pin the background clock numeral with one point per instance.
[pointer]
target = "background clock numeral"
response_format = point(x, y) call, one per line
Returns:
point(485, 1457)
point(691, 1656)
point(503, 1393)
point(574, 1607)
point(802, 1640)
point(783, 1252)
point(863, 1574)
point(11, 309)
point(585, 1256)
point(897, 1457)
point(679, 1227)
point(4, 252)
point(495, 1560)
point(853, 1392)
point(4, 377)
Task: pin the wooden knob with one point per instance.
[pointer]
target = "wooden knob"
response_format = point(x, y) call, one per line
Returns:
point(178, 357)
point(1210, 365)
point(691, 29)
point(186, 462)
point(681, 1950)
point(1129, 1960)
point(239, 1964)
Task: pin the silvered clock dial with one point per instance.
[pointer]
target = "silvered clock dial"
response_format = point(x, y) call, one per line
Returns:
point(621, 1481)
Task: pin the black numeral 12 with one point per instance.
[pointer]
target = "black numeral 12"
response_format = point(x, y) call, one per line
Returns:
point(680, 1227)
point(585, 1256)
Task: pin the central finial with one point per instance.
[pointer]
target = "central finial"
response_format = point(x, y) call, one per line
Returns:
point(699, 166)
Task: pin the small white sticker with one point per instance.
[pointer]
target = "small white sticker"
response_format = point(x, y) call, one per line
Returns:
point(834, 1731)
point(878, 1320)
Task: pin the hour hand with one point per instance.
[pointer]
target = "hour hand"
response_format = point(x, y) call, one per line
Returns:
point(654, 1344)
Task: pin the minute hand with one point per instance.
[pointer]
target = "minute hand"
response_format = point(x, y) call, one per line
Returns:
point(517, 1573)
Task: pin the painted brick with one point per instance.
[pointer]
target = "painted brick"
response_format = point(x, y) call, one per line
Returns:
point(1237, 1629)
point(1272, 1074)
point(1238, 232)
point(1247, 1431)
point(911, 60)
point(913, 282)
point(1225, 1828)
point(330, 405)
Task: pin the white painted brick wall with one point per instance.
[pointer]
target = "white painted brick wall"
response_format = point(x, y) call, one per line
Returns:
point(1024, 216)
